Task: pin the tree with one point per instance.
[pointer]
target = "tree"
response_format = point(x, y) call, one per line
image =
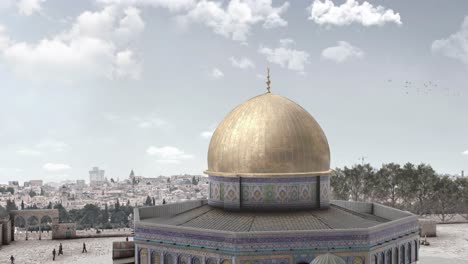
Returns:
point(117, 204)
point(64, 217)
point(128, 202)
point(148, 201)
point(154, 201)
point(339, 184)
point(389, 178)
point(11, 190)
point(360, 179)
point(194, 181)
point(91, 215)
point(32, 193)
point(423, 187)
point(164, 201)
point(112, 180)
point(49, 206)
point(446, 198)
point(42, 192)
point(120, 218)
point(105, 215)
point(11, 205)
point(22, 205)
point(462, 186)
point(3, 212)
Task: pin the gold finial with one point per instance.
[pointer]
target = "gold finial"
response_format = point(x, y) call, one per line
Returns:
point(268, 79)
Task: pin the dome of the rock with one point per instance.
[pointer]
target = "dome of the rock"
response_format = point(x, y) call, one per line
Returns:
point(268, 135)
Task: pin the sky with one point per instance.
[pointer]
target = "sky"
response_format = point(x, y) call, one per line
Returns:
point(142, 84)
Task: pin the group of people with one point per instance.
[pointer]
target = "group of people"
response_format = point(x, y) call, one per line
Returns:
point(60, 251)
point(54, 253)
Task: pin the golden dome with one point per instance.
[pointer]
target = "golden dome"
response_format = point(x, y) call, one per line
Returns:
point(268, 135)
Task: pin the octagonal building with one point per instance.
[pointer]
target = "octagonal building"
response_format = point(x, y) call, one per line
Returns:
point(269, 202)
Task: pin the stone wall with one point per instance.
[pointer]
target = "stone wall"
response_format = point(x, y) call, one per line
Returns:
point(122, 250)
point(6, 232)
point(64, 231)
point(428, 227)
point(166, 209)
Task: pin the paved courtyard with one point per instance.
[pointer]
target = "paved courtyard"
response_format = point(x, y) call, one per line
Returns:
point(449, 247)
point(40, 251)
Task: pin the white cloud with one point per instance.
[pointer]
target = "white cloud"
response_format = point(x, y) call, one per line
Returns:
point(287, 42)
point(4, 38)
point(10, 170)
point(28, 152)
point(242, 63)
point(286, 57)
point(131, 25)
point(145, 121)
point(206, 134)
point(456, 45)
point(168, 154)
point(232, 19)
point(56, 167)
point(151, 122)
point(28, 7)
point(217, 73)
point(95, 46)
point(172, 5)
point(237, 18)
point(326, 13)
point(52, 145)
point(465, 152)
point(126, 66)
point(342, 52)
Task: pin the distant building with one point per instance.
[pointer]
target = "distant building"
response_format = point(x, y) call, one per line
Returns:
point(36, 183)
point(80, 183)
point(96, 177)
point(13, 183)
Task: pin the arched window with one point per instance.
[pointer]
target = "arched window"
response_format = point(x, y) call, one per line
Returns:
point(155, 258)
point(182, 260)
point(143, 256)
point(397, 257)
point(357, 260)
point(376, 259)
point(402, 255)
point(168, 259)
point(416, 249)
point(196, 260)
point(382, 258)
point(210, 261)
point(410, 253)
point(388, 258)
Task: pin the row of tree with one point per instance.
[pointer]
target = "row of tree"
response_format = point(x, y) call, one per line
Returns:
point(415, 188)
point(90, 216)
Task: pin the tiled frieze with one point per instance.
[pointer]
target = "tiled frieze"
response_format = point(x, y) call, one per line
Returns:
point(257, 193)
point(161, 254)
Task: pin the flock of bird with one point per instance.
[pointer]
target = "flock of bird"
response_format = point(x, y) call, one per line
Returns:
point(426, 88)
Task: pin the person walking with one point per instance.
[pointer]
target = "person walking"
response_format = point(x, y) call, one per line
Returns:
point(12, 259)
point(84, 248)
point(60, 250)
point(53, 255)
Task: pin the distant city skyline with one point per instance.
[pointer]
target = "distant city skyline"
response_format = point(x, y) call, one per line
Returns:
point(142, 84)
